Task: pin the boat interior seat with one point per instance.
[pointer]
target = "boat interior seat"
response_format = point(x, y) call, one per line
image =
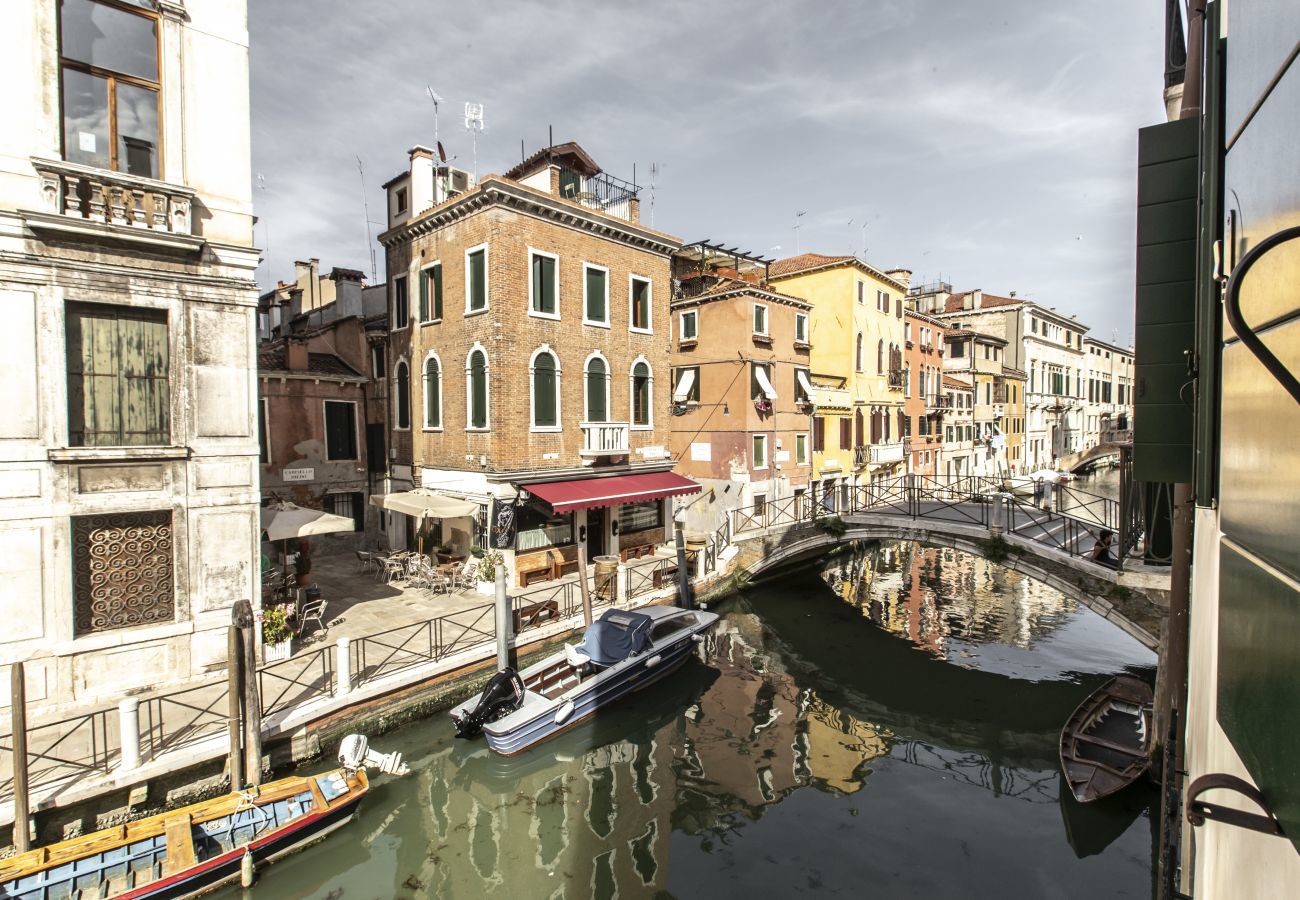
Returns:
point(574, 656)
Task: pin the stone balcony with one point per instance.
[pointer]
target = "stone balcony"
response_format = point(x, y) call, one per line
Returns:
point(883, 454)
point(605, 439)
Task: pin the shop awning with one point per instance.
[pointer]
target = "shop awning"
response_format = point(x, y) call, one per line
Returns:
point(802, 377)
point(422, 503)
point(684, 384)
point(765, 384)
point(593, 493)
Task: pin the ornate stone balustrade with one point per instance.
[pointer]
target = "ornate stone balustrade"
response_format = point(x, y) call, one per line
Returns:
point(114, 198)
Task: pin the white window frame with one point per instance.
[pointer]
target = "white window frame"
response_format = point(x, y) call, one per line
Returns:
point(754, 441)
point(801, 319)
point(406, 278)
point(424, 406)
point(401, 361)
point(487, 279)
point(767, 324)
point(356, 434)
point(555, 316)
point(801, 448)
point(487, 389)
point(650, 306)
point(424, 273)
point(596, 323)
point(695, 317)
point(586, 400)
point(631, 396)
point(532, 394)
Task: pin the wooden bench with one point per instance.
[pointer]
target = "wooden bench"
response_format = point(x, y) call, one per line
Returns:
point(535, 614)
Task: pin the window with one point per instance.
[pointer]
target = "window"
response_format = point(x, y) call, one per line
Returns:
point(110, 87)
point(340, 430)
point(378, 368)
point(758, 390)
point(597, 389)
point(595, 305)
point(907, 382)
point(760, 319)
point(538, 531)
point(760, 451)
point(880, 357)
point(349, 506)
point(433, 393)
point(639, 302)
point(641, 516)
point(546, 395)
point(476, 279)
point(688, 377)
point(898, 307)
point(543, 284)
point(476, 386)
point(263, 442)
point(857, 354)
point(801, 449)
point(1033, 325)
point(401, 304)
point(818, 434)
point(801, 328)
point(862, 292)
point(401, 200)
point(402, 396)
point(431, 293)
point(121, 571)
point(690, 325)
point(801, 392)
point(846, 433)
point(642, 416)
point(118, 364)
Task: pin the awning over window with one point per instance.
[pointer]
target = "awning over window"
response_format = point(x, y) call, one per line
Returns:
point(684, 384)
point(421, 503)
point(802, 377)
point(765, 383)
point(593, 493)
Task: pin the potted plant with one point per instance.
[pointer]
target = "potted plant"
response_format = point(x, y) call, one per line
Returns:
point(487, 571)
point(277, 635)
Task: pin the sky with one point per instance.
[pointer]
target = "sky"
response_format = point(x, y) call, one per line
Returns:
point(987, 143)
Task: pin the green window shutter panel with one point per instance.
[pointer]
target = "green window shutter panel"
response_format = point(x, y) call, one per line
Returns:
point(424, 295)
point(478, 391)
point(544, 285)
point(1168, 166)
point(477, 285)
point(596, 411)
point(437, 291)
point(432, 388)
point(596, 295)
point(544, 390)
point(118, 390)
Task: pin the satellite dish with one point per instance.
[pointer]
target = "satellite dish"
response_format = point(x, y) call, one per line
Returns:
point(442, 154)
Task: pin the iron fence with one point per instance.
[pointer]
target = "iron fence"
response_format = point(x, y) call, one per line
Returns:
point(295, 680)
point(184, 717)
point(68, 749)
point(647, 577)
point(397, 649)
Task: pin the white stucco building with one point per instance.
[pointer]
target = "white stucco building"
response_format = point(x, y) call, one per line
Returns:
point(1108, 393)
point(128, 436)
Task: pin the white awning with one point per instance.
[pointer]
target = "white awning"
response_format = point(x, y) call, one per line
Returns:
point(684, 384)
point(284, 521)
point(422, 503)
point(802, 377)
point(764, 384)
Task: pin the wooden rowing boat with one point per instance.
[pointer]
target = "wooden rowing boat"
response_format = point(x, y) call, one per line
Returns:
point(194, 849)
point(1106, 744)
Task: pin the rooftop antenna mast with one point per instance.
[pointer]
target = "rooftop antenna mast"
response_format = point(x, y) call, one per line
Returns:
point(654, 172)
point(798, 248)
point(437, 145)
point(474, 122)
point(365, 206)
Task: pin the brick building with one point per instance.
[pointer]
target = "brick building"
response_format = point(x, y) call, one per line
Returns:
point(742, 396)
point(924, 399)
point(529, 359)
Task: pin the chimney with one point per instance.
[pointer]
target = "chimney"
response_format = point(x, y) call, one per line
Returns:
point(295, 357)
point(634, 210)
point(421, 179)
point(968, 299)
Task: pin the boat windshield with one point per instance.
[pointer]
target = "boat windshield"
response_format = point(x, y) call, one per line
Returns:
point(615, 636)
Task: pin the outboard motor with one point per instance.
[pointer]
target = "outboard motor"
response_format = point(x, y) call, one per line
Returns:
point(503, 695)
point(355, 753)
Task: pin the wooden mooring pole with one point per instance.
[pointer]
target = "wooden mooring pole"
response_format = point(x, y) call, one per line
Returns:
point(684, 594)
point(234, 697)
point(18, 713)
point(252, 702)
point(582, 584)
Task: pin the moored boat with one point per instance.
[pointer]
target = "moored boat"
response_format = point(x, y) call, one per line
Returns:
point(196, 848)
point(1106, 744)
point(621, 652)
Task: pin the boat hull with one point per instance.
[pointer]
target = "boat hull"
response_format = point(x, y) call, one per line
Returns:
point(1106, 744)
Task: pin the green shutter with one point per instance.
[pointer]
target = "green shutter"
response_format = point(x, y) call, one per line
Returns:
point(424, 295)
point(436, 272)
point(544, 390)
point(543, 284)
point(596, 296)
point(432, 407)
point(477, 276)
point(478, 391)
point(118, 389)
point(596, 411)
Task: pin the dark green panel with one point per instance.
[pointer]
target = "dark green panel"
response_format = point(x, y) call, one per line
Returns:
point(1167, 181)
point(1176, 219)
point(1168, 262)
point(1161, 345)
point(1259, 679)
point(1160, 303)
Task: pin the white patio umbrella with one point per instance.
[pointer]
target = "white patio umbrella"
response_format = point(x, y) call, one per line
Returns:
point(284, 521)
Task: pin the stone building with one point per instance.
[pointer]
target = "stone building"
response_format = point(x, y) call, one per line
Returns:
point(742, 396)
point(1108, 413)
point(128, 476)
point(923, 396)
point(979, 359)
point(529, 359)
point(958, 427)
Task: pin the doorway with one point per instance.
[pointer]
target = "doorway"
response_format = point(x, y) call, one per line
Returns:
point(596, 521)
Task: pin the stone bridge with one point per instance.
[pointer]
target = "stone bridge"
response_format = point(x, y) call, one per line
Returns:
point(1051, 545)
point(1073, 461)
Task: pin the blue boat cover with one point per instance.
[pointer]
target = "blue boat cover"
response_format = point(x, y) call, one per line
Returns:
point(615, 636)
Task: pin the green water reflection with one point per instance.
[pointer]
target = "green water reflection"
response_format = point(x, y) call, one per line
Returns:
point(883, 724)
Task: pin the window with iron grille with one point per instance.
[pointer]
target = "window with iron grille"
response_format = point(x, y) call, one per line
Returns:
point(122, 571)
point(349, 506)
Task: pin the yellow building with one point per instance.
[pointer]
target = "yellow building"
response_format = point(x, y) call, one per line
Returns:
point(857, 342)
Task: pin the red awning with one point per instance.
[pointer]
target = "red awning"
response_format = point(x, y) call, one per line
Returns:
point(592, 493)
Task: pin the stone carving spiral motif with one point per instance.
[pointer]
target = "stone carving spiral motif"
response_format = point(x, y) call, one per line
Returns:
point(122, 570)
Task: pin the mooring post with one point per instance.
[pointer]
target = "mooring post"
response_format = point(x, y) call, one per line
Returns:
point(584, 589)
point(252, 702)
point(128, 729)
point(18, 713)
point(503, 619)
point(684, 594)
point(342, 667)
point(234, 698)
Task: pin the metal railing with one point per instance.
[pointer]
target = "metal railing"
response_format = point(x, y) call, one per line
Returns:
point(183, 717)
point(601, 191)
point(429, 640)
point(65, 750)
point(295, 680)
point(645, 578)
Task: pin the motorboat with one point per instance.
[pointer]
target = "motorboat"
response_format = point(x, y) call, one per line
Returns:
point(193, 849)
point(1106, 744)
point(622, 651)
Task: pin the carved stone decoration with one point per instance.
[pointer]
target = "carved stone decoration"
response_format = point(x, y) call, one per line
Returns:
point(52, 192)
point(159, 210)
point(117, 204)
point(122, 571)
point(181, 215)
point(138, 209)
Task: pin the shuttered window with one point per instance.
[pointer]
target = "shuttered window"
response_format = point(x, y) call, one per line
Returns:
point(641, 394)
point(478, 388)
point(340, 430)
point(118, 388)
point(597, 391)
point(846, 433)
point(818, 434)
point(402, 398)
point(543, 281)
point(476, 280)
point(431, 294)
point(597, 296)
point(544, 394)
point(432, 393)
point(640, 304)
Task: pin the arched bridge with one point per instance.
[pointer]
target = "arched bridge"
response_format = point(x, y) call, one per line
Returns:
point(1075, 461)
point(1051, 540)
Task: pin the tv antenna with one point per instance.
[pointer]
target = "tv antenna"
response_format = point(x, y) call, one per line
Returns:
point(474, 122)
point(797, 225)
point(365, 206)
point(654, 171)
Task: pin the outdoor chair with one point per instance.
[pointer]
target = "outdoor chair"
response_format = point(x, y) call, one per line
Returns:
point(365, 560)
point(394, 568)
point(468, 574)
point(312, 611)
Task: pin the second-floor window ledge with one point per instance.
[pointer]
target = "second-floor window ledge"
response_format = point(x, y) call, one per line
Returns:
point(91, 454)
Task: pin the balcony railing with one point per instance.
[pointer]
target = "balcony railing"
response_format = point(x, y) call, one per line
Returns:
point(886, 453)
point(860, 456)
point(602, 191)
point(604, 438)
point(114, 198)
point(896, 379)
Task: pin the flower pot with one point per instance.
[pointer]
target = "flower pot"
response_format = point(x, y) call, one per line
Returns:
point(487, 588)
point(277, 652)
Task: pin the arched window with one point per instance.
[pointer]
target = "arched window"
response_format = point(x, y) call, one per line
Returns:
point(476, 387)
point(642, 394)
point(546, 395)
point(432, 392)
point(402, 395)
point(597, 390)
point(858, 429)
point(880, 357)
point(858, 354)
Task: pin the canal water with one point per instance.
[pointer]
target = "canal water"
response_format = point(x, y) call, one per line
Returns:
point(881, 724)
